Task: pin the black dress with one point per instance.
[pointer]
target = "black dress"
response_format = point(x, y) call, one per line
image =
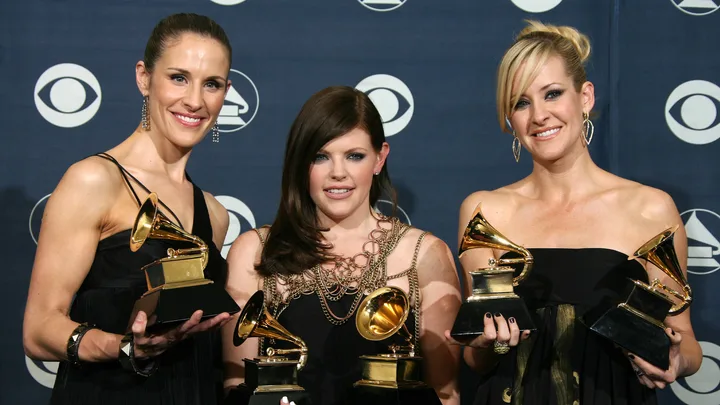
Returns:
point(333, 350)
point(189, 373)
point(563, 362)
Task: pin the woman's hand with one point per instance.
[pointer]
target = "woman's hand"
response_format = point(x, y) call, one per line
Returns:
point(498, 333)
point(654, 377)
point(153, 345)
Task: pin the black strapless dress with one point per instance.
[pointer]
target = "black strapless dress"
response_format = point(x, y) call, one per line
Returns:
point(563, 362)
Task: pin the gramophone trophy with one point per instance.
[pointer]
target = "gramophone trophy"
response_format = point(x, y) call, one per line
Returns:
point(492, 287)
point(637, 324)
point(395, 377)
point(268, 378)
point(176, 284)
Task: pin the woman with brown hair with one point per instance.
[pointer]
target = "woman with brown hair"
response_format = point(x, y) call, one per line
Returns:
point(328, 248)
point(85, 279)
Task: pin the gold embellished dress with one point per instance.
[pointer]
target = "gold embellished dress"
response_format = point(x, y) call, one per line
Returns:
point(563, 362)
point(319, 306)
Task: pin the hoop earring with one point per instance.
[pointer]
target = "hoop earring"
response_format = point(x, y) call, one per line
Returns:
point(516, 148)
point(144, 114)
point(588, 129)
point(215, 133)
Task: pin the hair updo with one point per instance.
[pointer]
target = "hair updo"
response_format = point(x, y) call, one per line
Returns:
point(533, 46)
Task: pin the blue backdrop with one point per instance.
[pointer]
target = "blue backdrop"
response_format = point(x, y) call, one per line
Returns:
point(67, 90)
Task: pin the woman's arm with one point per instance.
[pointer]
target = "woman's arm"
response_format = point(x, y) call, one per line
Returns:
point(441, 298)
point(685, 351)
point(243, 282)
point(69, 234)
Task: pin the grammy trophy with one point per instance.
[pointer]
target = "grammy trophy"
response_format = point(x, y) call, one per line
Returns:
point(637, 324)
point(493, 286)
point(395, 377)
point(176, 284)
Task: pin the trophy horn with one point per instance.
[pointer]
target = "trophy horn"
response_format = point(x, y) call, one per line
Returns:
point(150, 223)
point(255, 321)
point(480, 234)
point(660, 251)
point(382, 314)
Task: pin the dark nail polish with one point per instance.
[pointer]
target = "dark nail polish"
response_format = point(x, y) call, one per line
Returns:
point(497, 314)
point(512, 320)
point(487, 315)
point(673, 332)
point(631, 357)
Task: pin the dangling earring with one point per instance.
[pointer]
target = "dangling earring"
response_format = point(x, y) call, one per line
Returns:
point(216, 133)
point(588, 129)
point(516, 148)
point(144, 114)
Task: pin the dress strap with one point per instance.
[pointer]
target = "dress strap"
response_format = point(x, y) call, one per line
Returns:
point(125, 175)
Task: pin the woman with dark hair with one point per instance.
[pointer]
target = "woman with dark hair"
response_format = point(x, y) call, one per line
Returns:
point(85, 279)
point(328, 248)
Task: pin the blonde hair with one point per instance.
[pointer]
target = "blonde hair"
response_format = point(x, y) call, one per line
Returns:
point(533, 46)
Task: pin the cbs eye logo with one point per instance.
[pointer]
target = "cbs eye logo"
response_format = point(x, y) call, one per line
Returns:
point(67, 95)
point(382, 5)
point(536, 6)
point(390, 96)
point(235, 206)
point(227, 2)
point(691, 112)
point(701, 387)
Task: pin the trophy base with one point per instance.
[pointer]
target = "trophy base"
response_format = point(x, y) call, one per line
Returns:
point(167, 308)
point(245, 395)
point(635, 325)
point(470, 320)
point(267, 380)
point(391, 371)
point(641, 337)
point(418, 395)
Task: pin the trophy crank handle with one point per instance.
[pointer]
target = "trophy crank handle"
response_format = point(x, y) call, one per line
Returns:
point(188, 251)
point(301, 361)
point(527, 260)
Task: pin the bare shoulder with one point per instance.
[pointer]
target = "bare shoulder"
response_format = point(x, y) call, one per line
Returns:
point(91, 179)
point(242, 258)
point(434, 258)
point(498, 203)
point(649, 202)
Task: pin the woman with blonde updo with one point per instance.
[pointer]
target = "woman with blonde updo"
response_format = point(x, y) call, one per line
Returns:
point(580, 223)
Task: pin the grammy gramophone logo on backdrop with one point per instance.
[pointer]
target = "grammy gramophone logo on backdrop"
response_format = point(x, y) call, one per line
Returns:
point(382, 5)
point(697, 7)
point(703, 230)
point(241, 103)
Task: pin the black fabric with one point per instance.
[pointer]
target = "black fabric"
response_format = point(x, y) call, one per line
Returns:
point(190, 373)
point(588, 368)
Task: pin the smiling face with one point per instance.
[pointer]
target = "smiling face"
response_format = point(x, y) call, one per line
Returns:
point(186, 88)
point(548, 117)
point(342, 173)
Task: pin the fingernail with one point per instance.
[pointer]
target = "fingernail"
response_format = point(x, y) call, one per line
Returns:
point(292, 403)
point(284, 400)
point(673, 332)
point(631, 356)
point(512, 320)
point(488, 315)
point(497, 314)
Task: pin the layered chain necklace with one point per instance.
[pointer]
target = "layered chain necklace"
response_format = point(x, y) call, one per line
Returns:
point(358, 275)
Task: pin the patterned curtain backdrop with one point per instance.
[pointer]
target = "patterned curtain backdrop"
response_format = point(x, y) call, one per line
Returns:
point(67, 90)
